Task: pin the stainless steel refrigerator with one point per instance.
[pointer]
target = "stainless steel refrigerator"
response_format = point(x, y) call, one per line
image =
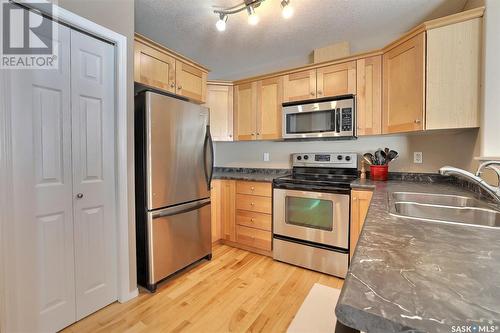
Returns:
point(173, 168)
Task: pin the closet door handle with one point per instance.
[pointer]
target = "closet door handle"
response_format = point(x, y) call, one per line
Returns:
point(79, 195)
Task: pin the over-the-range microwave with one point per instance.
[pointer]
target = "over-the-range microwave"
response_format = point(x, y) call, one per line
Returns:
point(333, 117)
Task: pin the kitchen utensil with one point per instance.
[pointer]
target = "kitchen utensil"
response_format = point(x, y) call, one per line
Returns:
point(391, 156)
point(380, 157)
point(386, 150)
point(368, 157)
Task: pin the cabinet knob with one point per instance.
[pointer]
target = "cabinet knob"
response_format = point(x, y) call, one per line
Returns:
point(252, 220)
point(417, 121)
point(258, 133)
point(253, 134)
point(252, 204)
point(172, 85)
point(320, 92)
point(252, 188)
point(179, 87)
point(312, 93)
point(79, 195)
point(230, 135)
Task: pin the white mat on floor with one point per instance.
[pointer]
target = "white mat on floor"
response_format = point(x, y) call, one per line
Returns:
point(317, 313)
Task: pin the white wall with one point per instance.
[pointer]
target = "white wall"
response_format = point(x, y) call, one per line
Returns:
point(454, 148)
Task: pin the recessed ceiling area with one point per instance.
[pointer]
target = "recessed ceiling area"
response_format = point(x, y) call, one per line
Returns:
point(188, 27)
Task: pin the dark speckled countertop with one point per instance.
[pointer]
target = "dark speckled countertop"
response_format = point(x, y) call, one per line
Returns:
point(251, 174)
point(416, 276)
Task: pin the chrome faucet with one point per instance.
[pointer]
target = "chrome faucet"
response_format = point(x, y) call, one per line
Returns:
point(494, 191)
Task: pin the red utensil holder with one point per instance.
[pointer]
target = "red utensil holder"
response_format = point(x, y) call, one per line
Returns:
point(379, 172)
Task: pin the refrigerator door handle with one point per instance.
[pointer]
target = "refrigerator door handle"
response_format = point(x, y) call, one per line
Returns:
point(184, 208)
point(208, 173)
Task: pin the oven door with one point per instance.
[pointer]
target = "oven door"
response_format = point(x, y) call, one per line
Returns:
point(312, 216)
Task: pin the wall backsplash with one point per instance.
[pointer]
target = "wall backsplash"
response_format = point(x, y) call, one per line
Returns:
point(456, 148)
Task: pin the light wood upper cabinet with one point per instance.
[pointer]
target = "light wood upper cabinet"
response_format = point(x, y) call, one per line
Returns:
point(191, 82)
point(299, 86)
point(220, 103)
point(360, 202)
point(154, 68)
point(404, 83)
point(269, 100)
point(453, 75)
point(158, 67)
point(336, 80)
point(369, 95)
point(245, 111)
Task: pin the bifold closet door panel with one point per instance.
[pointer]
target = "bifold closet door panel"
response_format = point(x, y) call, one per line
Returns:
point(93, 112)
point(40, 266)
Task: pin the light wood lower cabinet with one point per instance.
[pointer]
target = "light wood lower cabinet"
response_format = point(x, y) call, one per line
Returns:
point(243, 211)
point(220, 103)
point(369, 95)
point(404, 86)
point(360, 202)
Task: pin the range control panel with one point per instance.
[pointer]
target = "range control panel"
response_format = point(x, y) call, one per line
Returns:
point(328, 160)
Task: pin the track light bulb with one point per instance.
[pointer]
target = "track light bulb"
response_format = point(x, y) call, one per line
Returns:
point(221, 23)
point(287, 9)
point(253, 19)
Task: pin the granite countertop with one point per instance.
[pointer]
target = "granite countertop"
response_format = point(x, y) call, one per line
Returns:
point(416, 276)
point(251, 174)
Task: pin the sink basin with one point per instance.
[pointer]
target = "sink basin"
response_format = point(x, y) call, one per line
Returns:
point(444, 208)
point(437, 199)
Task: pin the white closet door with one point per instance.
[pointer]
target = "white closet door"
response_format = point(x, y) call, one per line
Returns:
point(41, 261)
point(92, 109)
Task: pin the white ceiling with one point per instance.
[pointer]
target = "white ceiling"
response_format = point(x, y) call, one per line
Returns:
point(188, 27)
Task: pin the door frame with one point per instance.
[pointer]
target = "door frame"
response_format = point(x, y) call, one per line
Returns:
point(124, 220)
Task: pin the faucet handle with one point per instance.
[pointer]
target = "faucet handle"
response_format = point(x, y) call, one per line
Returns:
point(492, 165)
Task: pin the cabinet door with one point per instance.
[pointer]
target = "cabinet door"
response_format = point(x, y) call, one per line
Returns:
point(153, 68)
point(191, 82)
point(220, 103)
point(93, 143)
point(454, 75)
point(369, 95)
point(228, 210)
point(269, 100)
point(360, 202)
point(245, 111)
point(336, 80)
point(215, 206)
point(299, 86)
point(404, 83)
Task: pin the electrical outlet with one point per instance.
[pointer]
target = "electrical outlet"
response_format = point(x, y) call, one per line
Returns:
point(266, 157)
point(418, 157)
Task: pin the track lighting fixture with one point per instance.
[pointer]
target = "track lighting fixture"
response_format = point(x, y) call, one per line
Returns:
point(250, 6)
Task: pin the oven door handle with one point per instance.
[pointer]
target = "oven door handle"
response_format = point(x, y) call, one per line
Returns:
point(337, 120)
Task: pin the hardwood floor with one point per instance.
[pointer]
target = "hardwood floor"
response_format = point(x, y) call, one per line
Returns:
point(237, 291)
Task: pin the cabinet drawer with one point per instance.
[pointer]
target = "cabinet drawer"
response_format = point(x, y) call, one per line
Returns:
point(254, 220)
point(254, 188)
point(254, 203)
point(259, 239)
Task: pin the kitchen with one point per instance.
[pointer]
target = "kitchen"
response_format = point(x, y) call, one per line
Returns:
point(269, 175)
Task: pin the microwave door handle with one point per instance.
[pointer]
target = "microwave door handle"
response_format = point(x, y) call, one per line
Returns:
point(337, 120)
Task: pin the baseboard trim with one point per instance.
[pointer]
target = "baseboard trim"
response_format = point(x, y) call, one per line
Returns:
point(131, 295)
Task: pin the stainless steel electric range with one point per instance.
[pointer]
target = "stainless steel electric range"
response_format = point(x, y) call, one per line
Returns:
point(311, 212)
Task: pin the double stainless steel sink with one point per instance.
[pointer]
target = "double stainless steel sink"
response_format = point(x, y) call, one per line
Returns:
point(444, 208)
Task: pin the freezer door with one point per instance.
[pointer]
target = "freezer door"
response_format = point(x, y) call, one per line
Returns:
point(178, 236)
point(176, 138)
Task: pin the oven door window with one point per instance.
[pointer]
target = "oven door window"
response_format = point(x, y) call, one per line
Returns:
point(310, 122)
point(309, 213)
